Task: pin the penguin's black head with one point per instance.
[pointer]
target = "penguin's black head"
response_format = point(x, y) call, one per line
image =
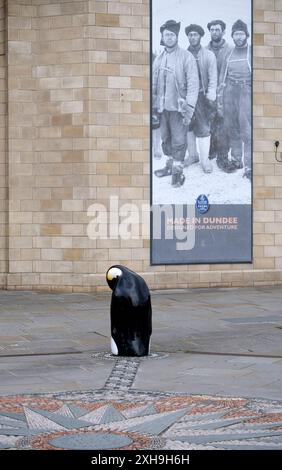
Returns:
point(112, 276)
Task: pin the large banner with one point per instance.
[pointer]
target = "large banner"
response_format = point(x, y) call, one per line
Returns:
point(201, 131)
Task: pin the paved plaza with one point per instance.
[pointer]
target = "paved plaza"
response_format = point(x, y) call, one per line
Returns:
point(212, 381)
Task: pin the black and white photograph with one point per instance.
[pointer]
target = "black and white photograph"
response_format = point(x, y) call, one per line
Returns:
point(201, 109)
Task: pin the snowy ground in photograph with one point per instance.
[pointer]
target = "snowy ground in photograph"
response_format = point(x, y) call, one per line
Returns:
point(219, 187)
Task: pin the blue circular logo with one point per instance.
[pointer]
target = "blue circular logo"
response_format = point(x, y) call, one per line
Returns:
point(202, 204)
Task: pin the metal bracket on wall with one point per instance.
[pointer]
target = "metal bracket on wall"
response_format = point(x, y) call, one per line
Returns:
point(277, 143)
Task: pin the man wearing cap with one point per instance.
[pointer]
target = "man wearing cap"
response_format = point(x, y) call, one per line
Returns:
point(206, 104)
point(175, 87)
point(221, 50)
point(234, 102)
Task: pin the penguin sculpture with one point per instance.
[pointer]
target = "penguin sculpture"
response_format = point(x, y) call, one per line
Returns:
point(131, 312)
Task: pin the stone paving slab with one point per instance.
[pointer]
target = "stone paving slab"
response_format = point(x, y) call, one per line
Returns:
point(60, 372)
point(276, 319)
point(211, 374)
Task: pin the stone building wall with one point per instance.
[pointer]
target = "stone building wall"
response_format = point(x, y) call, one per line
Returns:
point(3, 150)
point(51, 171)
point(76, 75)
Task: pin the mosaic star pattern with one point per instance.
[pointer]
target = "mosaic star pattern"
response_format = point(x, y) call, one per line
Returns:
point(132, 419)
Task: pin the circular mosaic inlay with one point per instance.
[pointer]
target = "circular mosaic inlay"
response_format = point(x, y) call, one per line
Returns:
point(111, 357)
point(91, 441)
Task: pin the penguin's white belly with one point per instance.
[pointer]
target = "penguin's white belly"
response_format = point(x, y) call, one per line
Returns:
point(114, 348)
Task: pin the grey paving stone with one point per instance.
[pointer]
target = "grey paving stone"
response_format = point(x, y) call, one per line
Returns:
point(10, 423)
point(77, 411)
point(65, 421)
point(39, 373)
point(211, 438)
point(91, 441)
point(255, 446)
point(211, 374)
point(157, 425)
point(266, 319)
point(104, 414)
point(16, 432)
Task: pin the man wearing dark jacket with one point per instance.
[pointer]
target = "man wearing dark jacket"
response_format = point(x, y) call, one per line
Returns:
point(206, 104)
point(174, 91)
point(234, 101)
point(221, 50)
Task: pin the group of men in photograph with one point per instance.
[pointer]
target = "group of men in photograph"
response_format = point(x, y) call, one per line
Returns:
point(201, 98)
